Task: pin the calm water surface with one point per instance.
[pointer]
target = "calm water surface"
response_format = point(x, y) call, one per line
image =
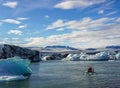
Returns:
point(70, 74)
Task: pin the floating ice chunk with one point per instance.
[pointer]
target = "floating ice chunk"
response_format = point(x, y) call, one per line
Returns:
point(72, 57)
point(85, 57)
point(13, 68)
point(118, 56)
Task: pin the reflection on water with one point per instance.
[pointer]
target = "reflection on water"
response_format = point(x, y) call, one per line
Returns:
point(70, 74)
point(12, 78)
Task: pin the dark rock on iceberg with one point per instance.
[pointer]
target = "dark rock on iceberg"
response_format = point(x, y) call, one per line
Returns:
point(55, 56)
point(7, 51)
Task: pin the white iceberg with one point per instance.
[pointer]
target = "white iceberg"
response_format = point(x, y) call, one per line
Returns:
point(83, 56)
point(102, 56)
point(72, 57)
point(45, 58)
point(118, 56)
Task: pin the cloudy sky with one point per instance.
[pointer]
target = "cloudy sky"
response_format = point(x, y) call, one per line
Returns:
point(76, 23)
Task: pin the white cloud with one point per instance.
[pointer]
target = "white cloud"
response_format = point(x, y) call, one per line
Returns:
point(83, 24)
point(77, 38)
point(34, 41)
point(100, 11)
point(13, 41)
point(22, 18)
point(111, 13)
point(22, 26)
point(47, 16)
point(29, 5)
point(56, 24)
point(71, 4)
point(41, 41)
point(81, 39)
point(118, 20)
point(103, 8)
point(17, 32)
point(12, 21)
point(85, 38)
point(11, 4)
point(60, 29)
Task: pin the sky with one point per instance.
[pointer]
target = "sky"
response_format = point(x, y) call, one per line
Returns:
point(75, 23)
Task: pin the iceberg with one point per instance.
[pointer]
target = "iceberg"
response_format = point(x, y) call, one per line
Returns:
point(45, 58)
point(14, 69)
point(118, 56)
point(72, 57)
point(102, 56)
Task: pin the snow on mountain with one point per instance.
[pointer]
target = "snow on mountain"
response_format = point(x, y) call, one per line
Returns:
point(54, 49)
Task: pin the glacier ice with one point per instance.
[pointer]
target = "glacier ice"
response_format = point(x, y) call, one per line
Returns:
point(85, 57)
point(118, 56)
point(14, 68)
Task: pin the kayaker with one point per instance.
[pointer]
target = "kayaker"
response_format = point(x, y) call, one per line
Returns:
point(90, 70)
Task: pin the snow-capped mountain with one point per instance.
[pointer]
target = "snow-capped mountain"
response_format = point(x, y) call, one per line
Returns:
point(54, 48)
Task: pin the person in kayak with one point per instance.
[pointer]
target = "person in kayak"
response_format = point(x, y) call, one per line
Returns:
point(90, 70)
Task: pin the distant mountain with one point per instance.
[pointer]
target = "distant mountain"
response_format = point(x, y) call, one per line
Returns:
point(113, 47)
point(35, 48)
point(60, 47)
point(91, 49)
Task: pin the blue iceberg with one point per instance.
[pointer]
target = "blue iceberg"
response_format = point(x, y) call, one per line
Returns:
point(14, 69)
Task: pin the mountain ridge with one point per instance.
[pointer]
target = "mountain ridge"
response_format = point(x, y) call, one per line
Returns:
point(62, 47)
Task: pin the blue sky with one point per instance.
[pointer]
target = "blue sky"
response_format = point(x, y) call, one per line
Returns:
point(76, 23)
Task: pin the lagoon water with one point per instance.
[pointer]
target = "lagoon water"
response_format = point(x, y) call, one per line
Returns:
point(70, 74)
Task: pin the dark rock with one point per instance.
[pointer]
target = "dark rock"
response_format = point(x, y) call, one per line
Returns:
point(7, 51)
point(55, 56)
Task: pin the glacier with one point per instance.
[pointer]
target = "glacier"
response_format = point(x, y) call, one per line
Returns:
point(14, 68)
point(102, 56)
point(118, 56)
